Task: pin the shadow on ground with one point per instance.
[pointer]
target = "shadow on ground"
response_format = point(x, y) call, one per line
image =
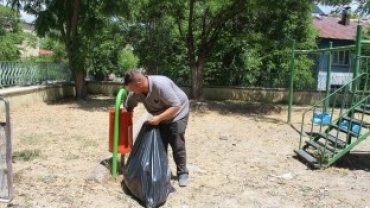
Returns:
point(355, 160)
point(235, 107)
point(92, 103)
point(256, 111)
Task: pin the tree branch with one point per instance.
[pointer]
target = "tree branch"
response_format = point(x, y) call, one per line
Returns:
point(218, 23)
point(190, 36)
point(179, 22)
point(75, 17)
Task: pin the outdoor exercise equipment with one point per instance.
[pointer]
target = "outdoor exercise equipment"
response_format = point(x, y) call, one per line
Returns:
point(348, 108)
point(125, 131)
point(6, 168)
point(120, 131)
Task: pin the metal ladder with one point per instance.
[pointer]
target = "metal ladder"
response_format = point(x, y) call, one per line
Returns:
point(348, 126)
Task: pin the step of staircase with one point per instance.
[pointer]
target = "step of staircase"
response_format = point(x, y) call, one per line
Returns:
point(353, 134)
point(362, 110)
point(358, 122)
point(366, 106)
point(333, 139)
point(340, 143)
point(306, 156)
point(320, 146)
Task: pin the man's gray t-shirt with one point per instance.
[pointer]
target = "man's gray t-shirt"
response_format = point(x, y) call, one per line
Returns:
point(163, 93)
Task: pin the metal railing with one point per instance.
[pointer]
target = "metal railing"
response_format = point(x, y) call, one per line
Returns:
point(26, 73)
point(339, 103)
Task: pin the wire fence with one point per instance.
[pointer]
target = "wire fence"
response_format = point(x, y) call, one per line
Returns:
point(26, 73)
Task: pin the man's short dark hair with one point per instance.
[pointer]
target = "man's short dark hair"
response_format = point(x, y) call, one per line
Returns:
point(131, 75)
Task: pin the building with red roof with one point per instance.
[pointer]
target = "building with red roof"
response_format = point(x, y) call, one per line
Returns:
point(340, 31)
point(332, 28)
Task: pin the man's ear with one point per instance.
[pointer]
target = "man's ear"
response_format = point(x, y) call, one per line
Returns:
point(139, 83)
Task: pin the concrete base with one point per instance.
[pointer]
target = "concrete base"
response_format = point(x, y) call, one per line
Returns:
point(24, 96)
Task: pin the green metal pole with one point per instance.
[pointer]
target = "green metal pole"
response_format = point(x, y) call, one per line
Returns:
point(357, 61)
point(291, 83)
point(122, 93)
point(328, 77)
point(337, 48)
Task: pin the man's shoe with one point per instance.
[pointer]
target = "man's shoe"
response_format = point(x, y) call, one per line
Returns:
point(183, 180)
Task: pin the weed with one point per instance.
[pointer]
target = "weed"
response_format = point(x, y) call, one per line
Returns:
point(322, 157)
point(26, 155)
point(48, 179)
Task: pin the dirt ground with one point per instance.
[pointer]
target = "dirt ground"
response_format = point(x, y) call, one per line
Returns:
point(239, 155)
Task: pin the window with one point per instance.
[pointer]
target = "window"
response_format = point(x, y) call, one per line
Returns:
point(341, 57)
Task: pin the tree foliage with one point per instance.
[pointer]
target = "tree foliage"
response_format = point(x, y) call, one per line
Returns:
point(12, 37)
point(363, 6)
point(73, 22)
point(58, 52)
point(105, 43)
point(209, 42)
point(221, 42)
point(127, 60)
point(60, 18)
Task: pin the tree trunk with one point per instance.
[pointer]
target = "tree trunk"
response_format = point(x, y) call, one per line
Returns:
point(196, 80)
point(72, 46)
point(80, 84)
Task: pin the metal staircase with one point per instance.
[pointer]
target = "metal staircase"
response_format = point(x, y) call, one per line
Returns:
point(323, 143)
point(333, 126)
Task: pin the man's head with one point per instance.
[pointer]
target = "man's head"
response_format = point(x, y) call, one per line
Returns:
point(137, 81)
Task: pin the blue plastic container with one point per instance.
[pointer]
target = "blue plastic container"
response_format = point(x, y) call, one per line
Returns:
point(355, 128)
point(321, 118)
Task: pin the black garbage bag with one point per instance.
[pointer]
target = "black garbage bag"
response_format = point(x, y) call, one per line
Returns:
point(147, 174)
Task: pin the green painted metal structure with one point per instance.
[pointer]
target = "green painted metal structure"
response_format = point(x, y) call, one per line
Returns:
point(26, 73)
point(347, 110)
point(291, 75)
point(328, 75)
point(121, 95)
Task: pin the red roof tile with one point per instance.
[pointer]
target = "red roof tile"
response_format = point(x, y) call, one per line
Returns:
point(45, 52)
point(330, 28)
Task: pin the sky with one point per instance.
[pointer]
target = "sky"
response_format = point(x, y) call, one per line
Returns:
point(26, 17)
point(326, 9)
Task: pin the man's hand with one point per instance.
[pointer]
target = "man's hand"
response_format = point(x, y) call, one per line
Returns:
point(154, 120)
point(168, 113)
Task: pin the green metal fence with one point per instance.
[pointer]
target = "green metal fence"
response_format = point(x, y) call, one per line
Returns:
point(25, 73)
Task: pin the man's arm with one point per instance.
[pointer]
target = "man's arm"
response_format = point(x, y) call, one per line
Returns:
point(129, 109)
point(168, 113)
point(130, 103)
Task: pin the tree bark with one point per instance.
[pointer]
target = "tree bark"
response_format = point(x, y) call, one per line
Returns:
point(196, 84)
point(80, 84)
point(197, 78)
point(72, 48)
